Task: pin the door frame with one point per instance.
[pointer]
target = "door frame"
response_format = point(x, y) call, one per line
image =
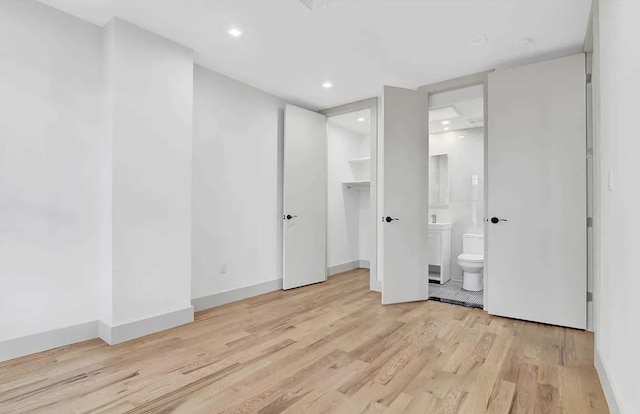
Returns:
point(372, 105)
point(593, 166)
point(480, 78)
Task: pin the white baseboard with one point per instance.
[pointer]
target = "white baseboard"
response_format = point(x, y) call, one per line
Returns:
point(44, 341)
point(607, 387)
point(375, 285)
point(132, 330)
point(364, 264)
point(234, 295)
point(344, 267)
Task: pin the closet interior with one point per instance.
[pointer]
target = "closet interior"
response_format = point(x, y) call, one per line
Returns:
point(350, 228)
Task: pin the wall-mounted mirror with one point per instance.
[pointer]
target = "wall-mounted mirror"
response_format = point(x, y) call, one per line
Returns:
point(439, 181)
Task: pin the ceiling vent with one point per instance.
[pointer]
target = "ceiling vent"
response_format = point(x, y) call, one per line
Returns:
point(314, 4)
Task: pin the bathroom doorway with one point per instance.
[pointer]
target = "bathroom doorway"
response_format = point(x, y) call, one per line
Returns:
point(457, 196)
point(532, 193)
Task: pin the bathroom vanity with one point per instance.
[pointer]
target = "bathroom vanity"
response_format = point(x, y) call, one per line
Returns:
point(439, 252)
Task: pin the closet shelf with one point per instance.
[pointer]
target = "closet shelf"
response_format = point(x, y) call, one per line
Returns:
point(357, 184)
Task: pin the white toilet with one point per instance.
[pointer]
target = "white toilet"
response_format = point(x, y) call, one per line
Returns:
point(472, 261)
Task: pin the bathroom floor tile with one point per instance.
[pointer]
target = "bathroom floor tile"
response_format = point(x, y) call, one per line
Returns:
point(452, 292)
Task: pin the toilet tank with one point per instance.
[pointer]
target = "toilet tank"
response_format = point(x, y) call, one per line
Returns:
point(473, 243)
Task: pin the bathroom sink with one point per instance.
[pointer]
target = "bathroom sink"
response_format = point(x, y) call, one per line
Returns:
point(439, 226)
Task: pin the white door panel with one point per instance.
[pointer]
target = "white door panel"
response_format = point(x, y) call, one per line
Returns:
point(405, 196)
point(305, 197)
point(537, 181)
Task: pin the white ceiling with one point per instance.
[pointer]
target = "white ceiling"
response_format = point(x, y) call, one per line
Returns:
point(468, 103)
point(471, 116)
point(351, 121)
point(359, 45)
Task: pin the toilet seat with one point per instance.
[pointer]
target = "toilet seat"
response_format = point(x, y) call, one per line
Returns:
point(471, 258)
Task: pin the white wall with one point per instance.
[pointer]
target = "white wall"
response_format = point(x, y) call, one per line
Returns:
point(50, 86)
point(345, 205)
point(617, 280)
point(151, 83)
point(96, 178)
point(466, 158)
point(237, 185)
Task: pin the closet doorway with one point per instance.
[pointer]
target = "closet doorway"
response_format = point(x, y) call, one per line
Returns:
point(351, 195)
point(329, 193)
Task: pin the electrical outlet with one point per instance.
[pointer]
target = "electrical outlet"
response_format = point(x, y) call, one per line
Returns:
point(223, 268)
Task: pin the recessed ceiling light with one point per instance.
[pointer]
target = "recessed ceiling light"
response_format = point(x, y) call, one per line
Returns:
point(360, 119)
point(446, 122)
point(235, 32)
point(446, 129)
point(461, 136)
point(327, 85)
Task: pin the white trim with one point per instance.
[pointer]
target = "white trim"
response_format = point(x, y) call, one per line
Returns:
point(44, 341)
point(221, 298)
point(606, 383)
point(104, 332)
point(132, 330)
point(344, 267)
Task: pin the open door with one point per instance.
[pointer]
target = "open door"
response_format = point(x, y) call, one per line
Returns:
point(305, 198)
point(537, 192)
point(405, 191)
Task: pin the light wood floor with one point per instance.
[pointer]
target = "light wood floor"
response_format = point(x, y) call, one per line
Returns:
point(327, 348)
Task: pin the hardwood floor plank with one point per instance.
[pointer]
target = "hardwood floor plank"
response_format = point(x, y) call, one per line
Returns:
point(400, 404)
point(526, 389)
point(547, 400)
point(325, 348)
point(451, 402)
point(502, 402)
point(423, 402)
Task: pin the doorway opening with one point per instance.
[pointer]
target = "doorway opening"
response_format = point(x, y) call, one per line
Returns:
point(352, 145)
point(456, 196)
point(349, 225)
point(329, 193)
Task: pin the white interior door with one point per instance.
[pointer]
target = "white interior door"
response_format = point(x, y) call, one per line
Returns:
point(404, 180)
point(305, 197)
point(537, 181)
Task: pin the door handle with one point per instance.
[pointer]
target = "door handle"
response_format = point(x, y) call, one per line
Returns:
point(389, 219)
point(495, 220)
point(288, 217)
